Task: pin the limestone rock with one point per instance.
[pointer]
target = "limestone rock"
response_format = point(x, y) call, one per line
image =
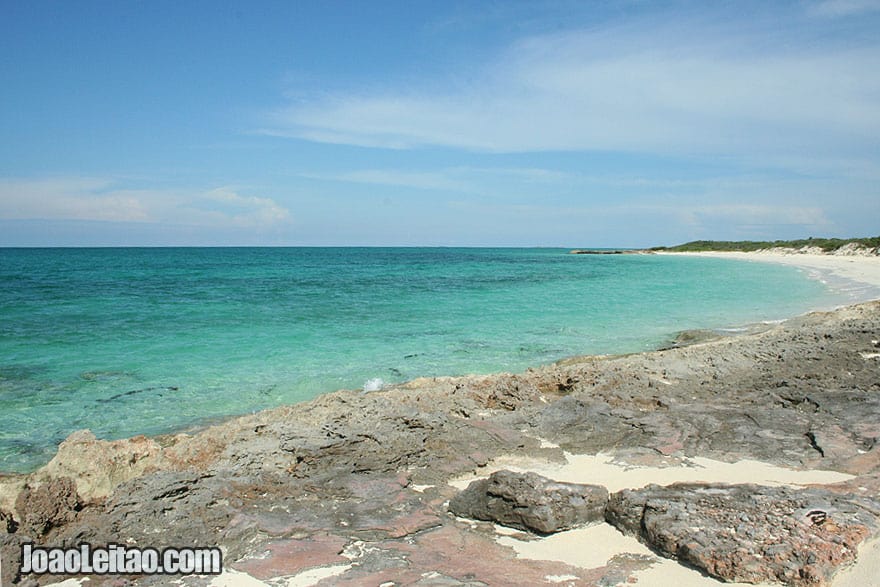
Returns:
point(8, 524)
point(47, 506)
point(98, 466)
point(531, 502)
point(161, 509)
point(748, 533)
point(10, 556)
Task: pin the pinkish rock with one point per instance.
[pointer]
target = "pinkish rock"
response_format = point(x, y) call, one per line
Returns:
point(748, 533)
point(289, 557)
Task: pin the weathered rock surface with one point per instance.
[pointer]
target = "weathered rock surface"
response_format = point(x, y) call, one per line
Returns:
point(98, 466)
point(797, 395)
point(49, 505)
point(749, 533)
point(7, 523)
point(365, 476)
point(531, 502)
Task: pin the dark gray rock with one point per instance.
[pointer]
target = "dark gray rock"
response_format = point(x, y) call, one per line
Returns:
point(748, 533)
point(800, 395)
point(159, 510)
point(10, 553)
point(531, 502)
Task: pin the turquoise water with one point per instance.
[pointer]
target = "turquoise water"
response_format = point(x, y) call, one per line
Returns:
point(132, 341)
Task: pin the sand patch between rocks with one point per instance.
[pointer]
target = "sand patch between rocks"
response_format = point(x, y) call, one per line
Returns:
point(602, 469)
point(596, 546)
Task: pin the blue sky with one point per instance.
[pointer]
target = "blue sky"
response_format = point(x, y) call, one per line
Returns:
point(629, 123)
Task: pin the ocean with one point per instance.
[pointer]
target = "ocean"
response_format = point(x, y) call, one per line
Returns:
point(147, 341)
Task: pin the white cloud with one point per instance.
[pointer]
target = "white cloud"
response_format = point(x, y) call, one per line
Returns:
point(247, 211)
point(662, 89)
point(101, 200)
point(74, 199)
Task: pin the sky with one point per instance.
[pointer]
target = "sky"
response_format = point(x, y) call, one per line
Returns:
point(625, 123)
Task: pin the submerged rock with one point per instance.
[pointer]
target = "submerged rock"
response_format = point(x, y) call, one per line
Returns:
point(748, 533)
point(531, 502)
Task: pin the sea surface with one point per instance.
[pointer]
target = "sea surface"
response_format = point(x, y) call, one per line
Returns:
point(147, 341)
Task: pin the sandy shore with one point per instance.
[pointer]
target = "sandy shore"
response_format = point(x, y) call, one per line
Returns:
point(595, 546)
point(857, 277)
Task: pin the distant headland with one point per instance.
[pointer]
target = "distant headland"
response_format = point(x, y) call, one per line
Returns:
point(808, 245)
point(866, 246)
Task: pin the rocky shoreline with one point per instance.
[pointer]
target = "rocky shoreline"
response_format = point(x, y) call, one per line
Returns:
point(354, 487)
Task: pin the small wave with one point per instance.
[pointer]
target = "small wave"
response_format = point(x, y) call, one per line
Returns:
point(374, 384)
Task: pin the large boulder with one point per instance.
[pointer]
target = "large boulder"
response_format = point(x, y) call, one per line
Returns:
point(748, 533)
point(531, 502)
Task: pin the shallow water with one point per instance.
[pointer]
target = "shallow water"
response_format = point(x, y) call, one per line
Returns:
point(131, 341)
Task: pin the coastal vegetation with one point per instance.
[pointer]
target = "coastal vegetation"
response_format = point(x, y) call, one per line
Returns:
point(826, 244)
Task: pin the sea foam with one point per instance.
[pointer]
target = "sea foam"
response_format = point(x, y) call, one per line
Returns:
point(374, 384)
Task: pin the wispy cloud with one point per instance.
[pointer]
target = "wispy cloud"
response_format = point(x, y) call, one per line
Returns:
point(691, 88)
point(103, 200)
